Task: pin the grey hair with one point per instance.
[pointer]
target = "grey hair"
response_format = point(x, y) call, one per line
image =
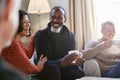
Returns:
point(2, 7)
point(103, 25)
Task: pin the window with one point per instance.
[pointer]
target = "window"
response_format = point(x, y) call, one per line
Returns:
point(108, 10)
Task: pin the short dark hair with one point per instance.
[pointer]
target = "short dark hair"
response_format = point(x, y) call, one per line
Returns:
point(21, 15)
point(58, 7)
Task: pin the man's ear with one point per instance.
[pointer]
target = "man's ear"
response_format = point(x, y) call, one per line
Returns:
point(64, 18)
point(8, 9)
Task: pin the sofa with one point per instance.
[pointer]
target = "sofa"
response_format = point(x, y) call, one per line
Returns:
point(96, 78)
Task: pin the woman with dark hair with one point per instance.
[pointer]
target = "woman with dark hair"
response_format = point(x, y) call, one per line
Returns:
point(17, 55)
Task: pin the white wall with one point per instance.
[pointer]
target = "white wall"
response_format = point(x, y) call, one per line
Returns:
point(44, 18)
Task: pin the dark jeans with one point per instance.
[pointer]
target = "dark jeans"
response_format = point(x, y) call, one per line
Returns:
point(114, 72)
point(50, 72)
point(71, 73)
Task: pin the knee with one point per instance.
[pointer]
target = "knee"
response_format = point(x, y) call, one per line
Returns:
point(91, 68)
point(52, 68)
point(91, 64)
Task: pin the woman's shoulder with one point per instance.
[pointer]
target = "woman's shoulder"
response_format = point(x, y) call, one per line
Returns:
point(14, 44)
point(14, 47)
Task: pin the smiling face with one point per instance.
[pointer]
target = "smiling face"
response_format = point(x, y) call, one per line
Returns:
point(108, 31)
point(57, 17)
point(26, 26)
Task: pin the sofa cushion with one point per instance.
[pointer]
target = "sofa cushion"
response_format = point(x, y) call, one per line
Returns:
point(97, 78)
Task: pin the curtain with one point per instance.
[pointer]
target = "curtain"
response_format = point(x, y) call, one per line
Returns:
point(82, 21)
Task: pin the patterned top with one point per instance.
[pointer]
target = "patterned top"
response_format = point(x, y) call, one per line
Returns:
point(18, 56)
